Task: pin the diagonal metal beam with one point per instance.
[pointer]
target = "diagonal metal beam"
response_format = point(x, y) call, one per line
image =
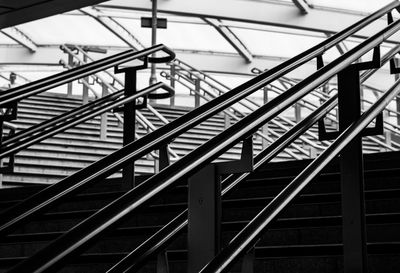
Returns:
point(20, 37)
point(116, 28)
point(302, 6)
point(228, 34)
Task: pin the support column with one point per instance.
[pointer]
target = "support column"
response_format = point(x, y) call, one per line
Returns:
point(204, 226)
point(128, 172)
point(352, 176)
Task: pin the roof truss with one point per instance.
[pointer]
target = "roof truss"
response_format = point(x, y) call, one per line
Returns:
point(113, 26)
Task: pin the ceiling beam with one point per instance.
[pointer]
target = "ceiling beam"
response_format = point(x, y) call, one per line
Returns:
point(114, 27)
point(260, 12)
point(229, 36)
point(302, 6)
point(20, 37)
point(33, 10)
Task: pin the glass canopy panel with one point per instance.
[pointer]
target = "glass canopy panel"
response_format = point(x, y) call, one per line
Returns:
point(186, 36)
point(73, 29)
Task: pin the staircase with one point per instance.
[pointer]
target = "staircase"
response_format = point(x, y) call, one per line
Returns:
point(306, 238)
point(65, 153)
point(61, 155)
point(282, 216)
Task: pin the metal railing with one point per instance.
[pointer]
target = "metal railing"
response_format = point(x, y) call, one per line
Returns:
point(18, 93)
point(88, 231)
point(39, 132)
point(247, 103)
point(162, 238)
point(141, 119)
point(248, 236)
point(236, 115)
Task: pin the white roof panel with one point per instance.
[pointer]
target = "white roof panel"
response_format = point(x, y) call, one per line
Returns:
point(60, 29)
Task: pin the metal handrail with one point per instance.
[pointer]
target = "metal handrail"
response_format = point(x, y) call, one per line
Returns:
point(235, 117)
point(90, 229)
point(116, 115)
point(19, 136)
point(39, 86)
point(161, 239)
point(278, 124)
point(84, 233)
point(111, 102)
point(248, 236)
point(140, 117)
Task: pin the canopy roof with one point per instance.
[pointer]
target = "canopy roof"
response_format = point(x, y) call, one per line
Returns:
point(114, 26)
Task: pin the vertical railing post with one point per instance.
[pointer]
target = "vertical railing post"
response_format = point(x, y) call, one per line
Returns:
point(172, 83)
point(297, 112)
point(265, 127)
point(163, 159)
point(85, 88)
point(1, 159)
point(103, 118)
point(204, 206)
point(162, 262)
point(248, 261)
point(70, 84)
point(325, 90)
point(1, 175)
point(129, 126)
point(352, 176)
point(227, 121)
point(196, 94)
point(396, 77)
point(204, 218)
